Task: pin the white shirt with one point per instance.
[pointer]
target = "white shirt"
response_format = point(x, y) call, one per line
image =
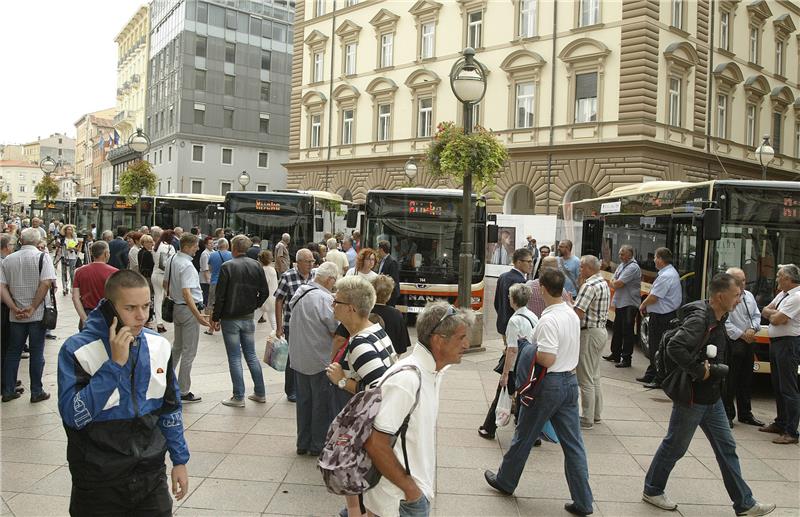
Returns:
point(789, 304)
point(20, 273)
point(369, 276)
point(133, 258)
point(204, 267)
point(519, 327)
point(399, 393)
point(338, 258)
point(559, 332)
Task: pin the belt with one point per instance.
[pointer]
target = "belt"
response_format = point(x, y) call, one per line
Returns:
point(571, 372)
point(783, 337)
point(199, 305)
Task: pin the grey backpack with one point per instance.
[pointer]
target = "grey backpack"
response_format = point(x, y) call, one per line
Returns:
point(345, 465)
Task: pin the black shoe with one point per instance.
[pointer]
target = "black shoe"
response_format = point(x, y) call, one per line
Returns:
point(491, 478)
point(623, 364)
point(190, 397)
point(645, 379)
point(40, 397)
point(19, 389)
point(483, 433)
point(314, 453)
point(573, 509)
point(302, 452)
point(730, 422)
point(291, 398)
point(7, 398)
point(19, 383)
point(612, 358)
point(751, 420)
point(51, 336)
point(652, 385)
point(538, 442)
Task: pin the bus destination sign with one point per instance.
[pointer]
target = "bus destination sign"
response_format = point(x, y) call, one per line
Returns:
point(122, 204)
point(791, 207)
point(431, 208)
point(263, 205)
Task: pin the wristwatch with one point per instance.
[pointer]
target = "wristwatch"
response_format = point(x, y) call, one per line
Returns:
point(342, 383)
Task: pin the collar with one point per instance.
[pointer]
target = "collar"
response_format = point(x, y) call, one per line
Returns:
point(666, 268)
point(185, 255)
point(320, 286)
point(29, 247)
point(425, 358)
point(557, 307)
point(711, 319)
point(793, 290)
point(518, 271)
point(596, 275)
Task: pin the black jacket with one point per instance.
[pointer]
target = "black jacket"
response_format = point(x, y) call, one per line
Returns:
point(501, 303)
point(119, 249)
point(253, 252)
point(392, 268)
point(697, 318)
point(241, 289)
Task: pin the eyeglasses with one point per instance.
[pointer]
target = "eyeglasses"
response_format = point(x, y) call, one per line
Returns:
point(451, 311)
point(337, 302)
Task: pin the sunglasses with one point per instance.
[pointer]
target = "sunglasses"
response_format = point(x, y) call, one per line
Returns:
point(337, 302)
point(451, 311)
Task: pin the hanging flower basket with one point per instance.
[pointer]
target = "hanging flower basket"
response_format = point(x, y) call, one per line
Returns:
point(453, 153)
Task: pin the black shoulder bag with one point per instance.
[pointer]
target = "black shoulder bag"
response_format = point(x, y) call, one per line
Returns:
point(50, 317)
point(168, 305)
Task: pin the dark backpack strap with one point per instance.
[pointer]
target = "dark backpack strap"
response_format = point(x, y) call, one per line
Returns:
point(401, 432)
point(52, 287)
point(301, 297)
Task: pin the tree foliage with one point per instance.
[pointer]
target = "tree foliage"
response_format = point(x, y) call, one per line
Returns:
point(46, 188)
point(453, 153)
point(4, 197)
point(138, 178)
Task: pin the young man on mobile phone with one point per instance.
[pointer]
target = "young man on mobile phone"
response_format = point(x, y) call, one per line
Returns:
point(120, 404)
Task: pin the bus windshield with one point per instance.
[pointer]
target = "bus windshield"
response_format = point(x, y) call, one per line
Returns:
point(270, 216)
point(425, 235)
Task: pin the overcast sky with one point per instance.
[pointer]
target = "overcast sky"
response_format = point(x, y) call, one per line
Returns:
point(58, 61)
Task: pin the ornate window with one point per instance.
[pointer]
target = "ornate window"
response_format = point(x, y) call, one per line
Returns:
point(426, 14)
point(676, 19)
point(758, 11)
point(585, 60)
point(522, 68)
point(473, 15)
point(588, 12)
point(316, 43)
point(314, 103)
point(423, 85)
point(681, 59)
point(385, 23)
point(526, 18)
point(755, 88)
point(780, 97)
point(784, 27)
point(675, 101)
point(382, 91)
point(348, 39)
point(727, 77)
point(346, 98)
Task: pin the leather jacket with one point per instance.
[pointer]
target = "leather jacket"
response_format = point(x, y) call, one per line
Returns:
point(241, 289)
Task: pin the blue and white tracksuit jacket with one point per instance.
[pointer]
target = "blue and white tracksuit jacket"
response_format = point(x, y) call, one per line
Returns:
point(120, 420)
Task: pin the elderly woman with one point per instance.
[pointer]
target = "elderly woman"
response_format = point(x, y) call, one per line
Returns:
point(365, 261)
point(163, 253)
point(268, 309)
point(369, 353)
point(70, 246)
point(520, 326)
point(146, 265)
point(393, 321)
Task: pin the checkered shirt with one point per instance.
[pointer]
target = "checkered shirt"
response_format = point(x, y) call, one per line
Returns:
point(288, 285)
point(20, 272)
point(593, 299)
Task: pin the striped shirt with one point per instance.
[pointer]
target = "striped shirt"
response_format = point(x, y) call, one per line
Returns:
point(593, 299)
point(369, 354)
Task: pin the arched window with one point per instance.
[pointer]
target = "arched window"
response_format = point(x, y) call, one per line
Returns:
point(345, 193)
point(579, 192)
point(519, 200)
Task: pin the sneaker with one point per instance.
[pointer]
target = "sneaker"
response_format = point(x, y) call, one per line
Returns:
point(40, 397)
point(190, 397)
point(660, 501)
point(25, 355)
point(759, 508)
point(597, 420)
point(257, 398)
point(784, 439)
point(586, 425)
point(233, 402)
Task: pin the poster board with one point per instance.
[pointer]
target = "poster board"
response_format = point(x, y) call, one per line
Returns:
point(513, 231)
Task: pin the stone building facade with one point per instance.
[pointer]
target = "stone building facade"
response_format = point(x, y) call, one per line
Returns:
point(595, 96)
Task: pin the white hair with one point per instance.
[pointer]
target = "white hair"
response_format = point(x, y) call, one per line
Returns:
point(30, 237)
point(331, 243)
point(303, 251)
point(285, 237)
point(328, 270)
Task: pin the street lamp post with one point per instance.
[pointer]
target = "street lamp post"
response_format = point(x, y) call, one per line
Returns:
point(468, 82)
point(48, 166)
point(765, 154)
point(244, 180)
point(140, 143)
point(410, 170)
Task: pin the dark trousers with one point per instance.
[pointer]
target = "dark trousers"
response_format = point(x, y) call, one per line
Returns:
point(314, 412)
point(288, 375)
point(624, 339)
point(739, 382)
point(784, 356)
point(659, 323)
point(142, 495)
point(5, 336)
point(489, 423)
point(33, 332)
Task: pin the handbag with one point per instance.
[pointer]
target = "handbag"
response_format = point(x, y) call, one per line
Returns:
point(50, 316)
point(276, 352)
point(167, 304)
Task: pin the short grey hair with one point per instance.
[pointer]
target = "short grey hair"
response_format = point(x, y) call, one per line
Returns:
point(433, 318)
point(792, 271)
point(155, 233)
point(548, 261)
point(303, 252)
point(331, 243)
point(241, 243)
point(222, 243)
point(5, 241)
point(519, 294)
point(98, 249)
point(107, 235)
point(356, 291)
point(285, 237)
point(626, 247)
point(591, 261)
point(30, 237)
point(328, 270)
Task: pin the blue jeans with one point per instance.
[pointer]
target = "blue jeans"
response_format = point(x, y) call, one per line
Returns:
point(557, 401)
point(33, 332)
point(239, 337)
point(682, 424)
point(313, 408)
point(419, 508)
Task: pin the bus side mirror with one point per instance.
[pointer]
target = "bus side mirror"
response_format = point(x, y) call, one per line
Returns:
point(352, 217)
point(712, 224)
point(491, 233)
point(319, 224)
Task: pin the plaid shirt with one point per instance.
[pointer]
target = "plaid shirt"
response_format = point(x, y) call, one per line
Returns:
point(288, 285)
point(20, 273)
point(593, 299)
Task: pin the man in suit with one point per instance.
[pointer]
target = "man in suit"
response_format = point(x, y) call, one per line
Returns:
point(522, 261)
point(119, 249)
point(255, 249)
point(388, 266)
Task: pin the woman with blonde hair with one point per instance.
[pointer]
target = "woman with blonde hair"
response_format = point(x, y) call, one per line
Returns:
point(365, 261)
point(268, 308)
point(70, 246)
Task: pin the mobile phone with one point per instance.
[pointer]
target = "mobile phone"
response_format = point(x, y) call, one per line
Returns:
point(109, 313)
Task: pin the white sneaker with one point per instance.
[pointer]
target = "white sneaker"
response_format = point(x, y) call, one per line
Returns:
point(233, 402)
point(660, 501)
point(586, 424)
point(256, 398)
point(759, 509)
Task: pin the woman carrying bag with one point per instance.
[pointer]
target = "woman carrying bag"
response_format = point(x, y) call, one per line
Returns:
point(163, 252)
point(68, 247)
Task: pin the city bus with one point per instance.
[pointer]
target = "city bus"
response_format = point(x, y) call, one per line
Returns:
point(114, 211)
point(304, 215)
point(86, 209)
point(59, 209)
point(709, 226)
point(425, 230)
point(167, 211)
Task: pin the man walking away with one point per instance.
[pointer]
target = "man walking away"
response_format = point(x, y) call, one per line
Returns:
point(570, 266)
point(120, 406)
point(282, 259)
point(119, 249)
point(518, 274)
point(90, 282)
point(25, 280)
point(387, 265)
point(182, 284)
point(627, 284)
point(664, 299)
point(255, 247)
point(289, 283)
point(558, 339)
point(241, 289)
point(215, 261)
point(702, 325)
point(591, 306)
point(443, 334)
point(783, 314)
point(744, 321)
point(336, 256)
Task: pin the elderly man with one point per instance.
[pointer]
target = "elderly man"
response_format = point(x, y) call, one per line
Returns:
point(289, 283)
point(536, 302)
point(282, 259)
point(309, 352)
point(591, 306)
point(25, 280)
point(741, 326)
point(627, 284)
point(88, 287)
point(443, 337)
point(783, 314)
point(336, 256)
point(350, 251)
point(241, 289)
point(6, 249)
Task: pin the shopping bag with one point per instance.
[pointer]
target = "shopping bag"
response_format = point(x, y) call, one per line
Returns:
point(276, 352)
point(502, 415)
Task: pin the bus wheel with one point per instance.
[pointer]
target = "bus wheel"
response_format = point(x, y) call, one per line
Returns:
point(644, 334)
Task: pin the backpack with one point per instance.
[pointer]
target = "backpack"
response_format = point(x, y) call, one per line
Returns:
point(664, 364)
point(346, 467)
